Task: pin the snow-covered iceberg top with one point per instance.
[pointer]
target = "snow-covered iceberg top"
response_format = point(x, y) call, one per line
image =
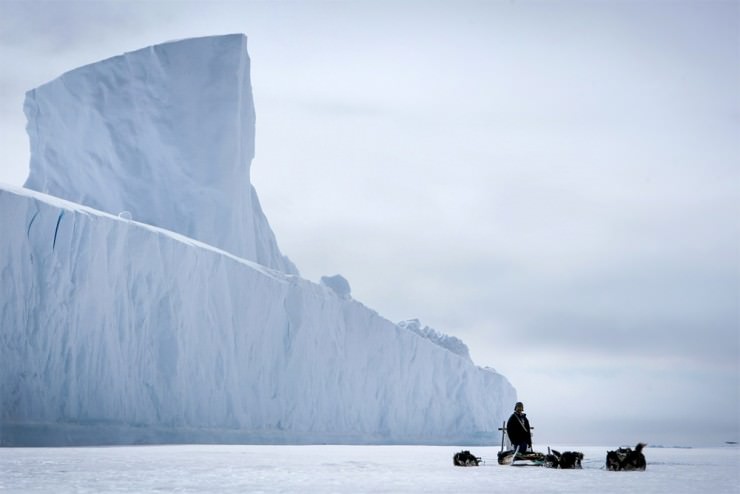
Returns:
point(165, 133)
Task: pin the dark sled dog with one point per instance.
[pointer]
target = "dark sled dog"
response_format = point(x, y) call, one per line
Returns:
point(568, 459)
point(626, 459)
point(465, 459)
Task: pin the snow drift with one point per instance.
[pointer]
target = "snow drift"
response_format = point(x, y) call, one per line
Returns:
point(183, 322)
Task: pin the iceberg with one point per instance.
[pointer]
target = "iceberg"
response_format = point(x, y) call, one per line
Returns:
point(143, 297)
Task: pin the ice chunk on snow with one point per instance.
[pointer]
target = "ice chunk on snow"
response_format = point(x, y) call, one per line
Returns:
point(338, 284)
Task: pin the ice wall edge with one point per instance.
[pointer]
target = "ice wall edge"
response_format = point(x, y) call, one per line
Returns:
point(115, 332)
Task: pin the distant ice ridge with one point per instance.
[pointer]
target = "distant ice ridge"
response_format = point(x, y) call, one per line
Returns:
point(128, 324)
point(451, 343)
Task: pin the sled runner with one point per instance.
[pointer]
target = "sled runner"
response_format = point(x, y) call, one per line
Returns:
point(516, 459)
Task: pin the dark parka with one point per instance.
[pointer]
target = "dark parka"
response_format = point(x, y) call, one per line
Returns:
point(518, 429)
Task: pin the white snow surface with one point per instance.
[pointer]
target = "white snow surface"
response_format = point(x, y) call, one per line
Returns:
point(166, 133)
point(351, 469)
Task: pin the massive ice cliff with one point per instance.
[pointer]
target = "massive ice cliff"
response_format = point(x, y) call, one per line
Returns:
point(183, 322)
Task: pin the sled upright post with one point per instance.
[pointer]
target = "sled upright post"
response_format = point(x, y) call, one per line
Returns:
point(503, 434)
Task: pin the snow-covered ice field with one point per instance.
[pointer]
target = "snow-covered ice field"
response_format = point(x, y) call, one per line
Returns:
point(266, 469)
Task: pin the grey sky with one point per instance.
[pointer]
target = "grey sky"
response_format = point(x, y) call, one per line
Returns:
point(556, 183)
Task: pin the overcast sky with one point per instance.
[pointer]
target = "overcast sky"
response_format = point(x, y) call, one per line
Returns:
point(555, 183)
